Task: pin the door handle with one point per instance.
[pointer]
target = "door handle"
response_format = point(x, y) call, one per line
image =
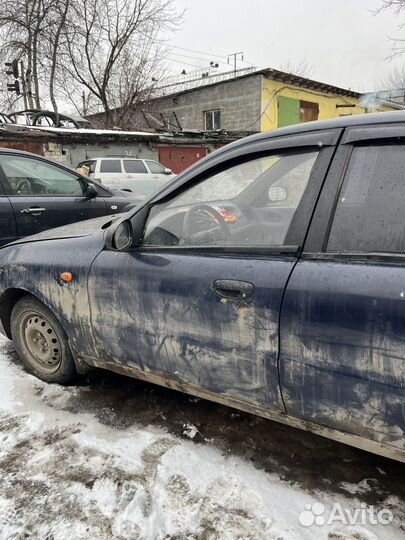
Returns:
point(234, 289)
point(34, 210)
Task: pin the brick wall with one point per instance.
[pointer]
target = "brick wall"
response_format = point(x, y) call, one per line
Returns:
point(238, 100)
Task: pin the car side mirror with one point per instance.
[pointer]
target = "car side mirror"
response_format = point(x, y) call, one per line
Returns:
point(91, 191)
point(168, 171)
point(122, 238)
point(127, 233)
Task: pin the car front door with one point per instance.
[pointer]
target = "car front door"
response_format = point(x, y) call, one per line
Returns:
point(8, 227)
point(44, 195)
point(198, 302)
point(342, 358)
point(138, 179)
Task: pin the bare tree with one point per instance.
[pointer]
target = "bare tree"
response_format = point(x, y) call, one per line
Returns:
point(54, 41)
point(99, 55)
point(22, 26)
point(394, 80)
point(391, 87)
point(398, 7)
point(301, 68)
point(111, 48)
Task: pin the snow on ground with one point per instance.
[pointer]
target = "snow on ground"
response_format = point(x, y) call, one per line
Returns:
point(65, 474)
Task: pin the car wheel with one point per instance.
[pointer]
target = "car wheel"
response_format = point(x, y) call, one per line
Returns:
point(41, 342)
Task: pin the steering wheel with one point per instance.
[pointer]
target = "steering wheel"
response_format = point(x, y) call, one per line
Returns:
point(208, 221)
point(24, 187)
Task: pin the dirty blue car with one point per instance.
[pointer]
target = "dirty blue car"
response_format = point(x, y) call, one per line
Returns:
point(269, 277)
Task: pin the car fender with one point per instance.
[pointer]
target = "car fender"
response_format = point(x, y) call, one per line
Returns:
point(35, 267)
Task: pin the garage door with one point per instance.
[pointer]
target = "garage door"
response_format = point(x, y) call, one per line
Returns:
point(179, 158)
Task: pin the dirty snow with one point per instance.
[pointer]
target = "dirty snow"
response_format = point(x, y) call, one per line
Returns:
point(64, 473)
point(91, 131)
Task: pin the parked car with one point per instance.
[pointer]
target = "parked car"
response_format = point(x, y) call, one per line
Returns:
point(269, 277)
point(140, 176)
point(37, 194)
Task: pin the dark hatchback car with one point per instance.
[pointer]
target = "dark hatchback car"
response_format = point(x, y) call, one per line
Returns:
point(37, 194)
point(269, 277)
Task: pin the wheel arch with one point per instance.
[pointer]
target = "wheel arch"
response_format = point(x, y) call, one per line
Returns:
point(8, 300)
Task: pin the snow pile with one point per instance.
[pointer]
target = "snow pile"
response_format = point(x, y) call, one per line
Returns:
point(66, 475)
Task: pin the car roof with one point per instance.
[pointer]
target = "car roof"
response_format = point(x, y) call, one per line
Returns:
point(115, 157)
point(5, 150)
point(369, 119)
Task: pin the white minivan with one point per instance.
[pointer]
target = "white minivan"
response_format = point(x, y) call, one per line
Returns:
point(140, 176)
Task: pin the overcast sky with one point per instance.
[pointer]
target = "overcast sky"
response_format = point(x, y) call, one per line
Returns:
point(345, 44)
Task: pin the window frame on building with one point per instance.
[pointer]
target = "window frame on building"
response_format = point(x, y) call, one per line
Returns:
point(215, 115)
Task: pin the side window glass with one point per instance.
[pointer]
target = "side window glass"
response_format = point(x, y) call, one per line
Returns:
point(110, 166)
point(134, 166)
point(251, 204)
point(27, 176)
point(155, 168)
point(369, 215)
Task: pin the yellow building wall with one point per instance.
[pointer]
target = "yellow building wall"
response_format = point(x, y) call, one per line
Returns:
point(271, 90)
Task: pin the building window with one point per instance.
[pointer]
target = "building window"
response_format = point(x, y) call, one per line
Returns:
point(212, 120)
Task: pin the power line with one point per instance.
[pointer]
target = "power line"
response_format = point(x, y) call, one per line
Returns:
point(171, 57)
point(199, 52)
point(212, 55)
point(184, 63)
point(187, 56)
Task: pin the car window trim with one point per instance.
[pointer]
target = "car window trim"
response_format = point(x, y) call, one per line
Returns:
point(298, 228)
point(244, 151)
point(371, 133)
point(241, 251)
point(319, 231)
point(3, 183)
point(302, 218)
point(320, 140)
point(360, 257)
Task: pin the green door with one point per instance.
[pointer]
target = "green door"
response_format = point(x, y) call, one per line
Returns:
point(288, 111)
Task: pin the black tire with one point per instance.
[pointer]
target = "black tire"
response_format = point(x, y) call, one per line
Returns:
point(41, 342)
